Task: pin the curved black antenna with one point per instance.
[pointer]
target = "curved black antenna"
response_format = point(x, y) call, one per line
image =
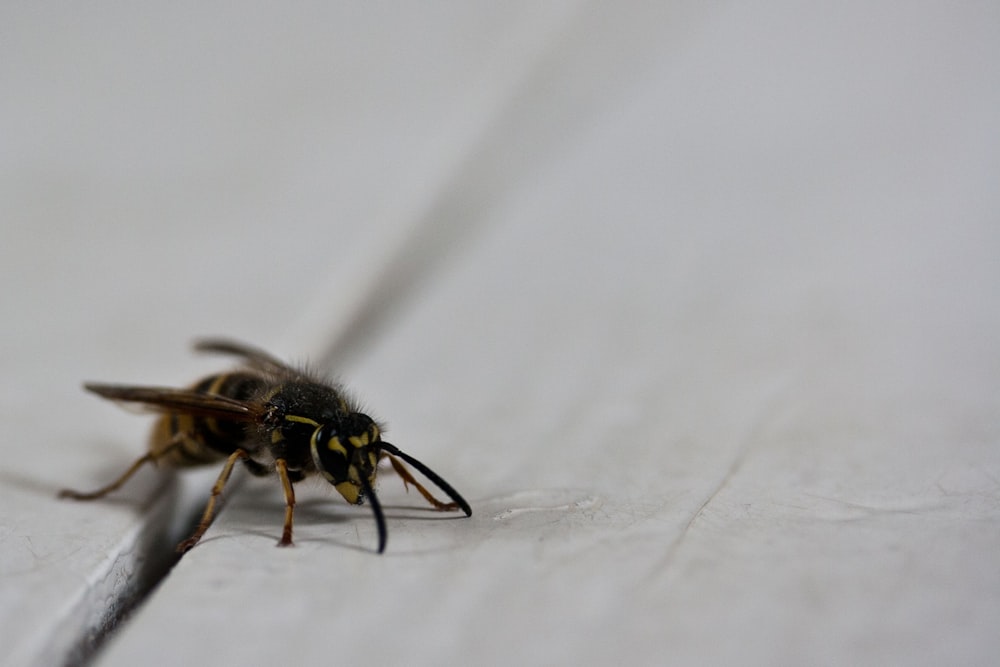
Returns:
point(377, 509)
point(429, 474)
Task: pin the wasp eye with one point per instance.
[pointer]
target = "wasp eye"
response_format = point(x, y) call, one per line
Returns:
point(329, 454)
point(325, 433)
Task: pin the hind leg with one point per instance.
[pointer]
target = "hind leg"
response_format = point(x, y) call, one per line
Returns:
point(125, 476)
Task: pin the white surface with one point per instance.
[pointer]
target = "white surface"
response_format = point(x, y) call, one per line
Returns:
point(698, 316)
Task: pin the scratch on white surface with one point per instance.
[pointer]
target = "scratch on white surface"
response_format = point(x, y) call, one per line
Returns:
point(539, 501)
point(838, 509)
point(764, 417)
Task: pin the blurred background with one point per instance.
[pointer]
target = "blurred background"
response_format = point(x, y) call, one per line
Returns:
point(694, 303)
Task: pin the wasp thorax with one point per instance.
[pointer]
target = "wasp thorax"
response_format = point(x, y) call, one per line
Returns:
point(346, 453)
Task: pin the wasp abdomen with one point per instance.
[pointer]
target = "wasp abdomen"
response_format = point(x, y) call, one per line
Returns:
point(183, 440)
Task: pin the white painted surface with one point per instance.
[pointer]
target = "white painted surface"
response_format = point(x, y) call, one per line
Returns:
point(694, 305)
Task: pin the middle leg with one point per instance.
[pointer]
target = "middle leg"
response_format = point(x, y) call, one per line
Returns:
point(209, 514)
point(286, 484)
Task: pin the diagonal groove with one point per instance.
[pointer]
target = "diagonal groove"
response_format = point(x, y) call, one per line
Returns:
point(385, 274)
point(506, 132)
point(134, 573)
point(114, 592)
point(433, 221)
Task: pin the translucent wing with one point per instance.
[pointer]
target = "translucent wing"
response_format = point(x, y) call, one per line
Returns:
point(254, 357)
point(184, 401)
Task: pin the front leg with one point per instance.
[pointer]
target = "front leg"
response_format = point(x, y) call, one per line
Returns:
point(281, 465)
point(408, 479)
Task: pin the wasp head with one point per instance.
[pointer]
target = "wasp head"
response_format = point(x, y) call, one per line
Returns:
point(346, 452)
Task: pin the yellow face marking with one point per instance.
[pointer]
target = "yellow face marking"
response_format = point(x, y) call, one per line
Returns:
point(359, 441)
point(276, 437)
point(349, 491)
point(333, 444)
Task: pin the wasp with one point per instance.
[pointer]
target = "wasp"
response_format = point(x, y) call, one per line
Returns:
point(274, 419)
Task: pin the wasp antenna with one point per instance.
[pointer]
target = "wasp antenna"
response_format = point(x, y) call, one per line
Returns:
point(377, 509)
point(429, 474)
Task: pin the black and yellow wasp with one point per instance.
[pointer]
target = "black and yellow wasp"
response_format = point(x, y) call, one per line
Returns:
point(275, 419)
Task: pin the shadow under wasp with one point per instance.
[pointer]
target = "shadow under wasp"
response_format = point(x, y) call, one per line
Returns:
point(275, 419)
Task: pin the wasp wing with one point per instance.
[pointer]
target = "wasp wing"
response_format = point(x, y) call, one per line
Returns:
point(254, 357)
point(185, 401)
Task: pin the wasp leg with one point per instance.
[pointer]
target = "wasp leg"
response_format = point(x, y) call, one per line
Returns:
point(206, 518)
point(286, 484)
point(408, 479)
point(150, 457)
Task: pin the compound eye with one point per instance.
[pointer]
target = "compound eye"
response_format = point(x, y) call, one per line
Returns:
point(324, 434)
point(328, 454)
